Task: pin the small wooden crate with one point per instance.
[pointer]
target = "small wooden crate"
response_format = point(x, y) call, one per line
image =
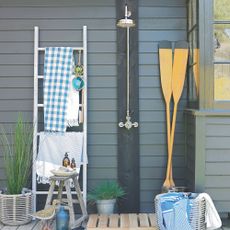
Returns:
point(129, 221)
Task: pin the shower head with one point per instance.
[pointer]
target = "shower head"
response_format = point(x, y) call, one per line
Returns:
point(126, 22)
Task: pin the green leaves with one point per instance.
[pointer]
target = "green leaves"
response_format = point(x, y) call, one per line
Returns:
point(79, 71)
point(17, 152)
point(106, 191)
point(221, 10)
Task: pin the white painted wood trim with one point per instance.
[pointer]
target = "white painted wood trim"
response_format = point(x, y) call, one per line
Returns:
point(85, 158)
point(35, 115)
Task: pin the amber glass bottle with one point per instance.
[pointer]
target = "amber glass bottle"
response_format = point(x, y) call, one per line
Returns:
point(66, 160)
point(73, 164)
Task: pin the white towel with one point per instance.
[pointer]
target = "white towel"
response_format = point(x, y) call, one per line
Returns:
point(72, 106)
point(212, 217)
point(52, 149)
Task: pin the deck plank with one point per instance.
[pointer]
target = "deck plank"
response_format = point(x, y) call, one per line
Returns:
point(153, 220)
point(27, 226)
point(113, 221)
point(7, 227)
point(38, 226)
point(33, 225)
point(53, 225)
point(124, 219)
point(143, 220)
point(1, 225)
point(103, 221)
point(133, 222)
point(92, 223)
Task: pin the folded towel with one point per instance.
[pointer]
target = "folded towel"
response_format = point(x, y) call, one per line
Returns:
point(173, 211)
point(73, 105)
point(52, 148)
point(57, 76)
point(212, 217)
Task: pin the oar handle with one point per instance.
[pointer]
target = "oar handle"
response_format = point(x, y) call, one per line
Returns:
point(169, 165)
point(168, 124)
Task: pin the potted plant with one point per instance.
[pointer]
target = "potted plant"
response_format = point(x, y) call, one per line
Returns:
point(16, 201)
point(105, 195)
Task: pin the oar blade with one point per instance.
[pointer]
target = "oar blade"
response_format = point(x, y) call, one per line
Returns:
point(179, 68)
point(165, 59)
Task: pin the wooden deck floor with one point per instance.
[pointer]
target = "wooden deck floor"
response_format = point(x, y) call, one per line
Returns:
point(33, 225)
point(130, 221)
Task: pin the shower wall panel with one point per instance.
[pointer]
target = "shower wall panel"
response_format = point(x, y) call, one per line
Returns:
point(60, 24)
point(158, 20)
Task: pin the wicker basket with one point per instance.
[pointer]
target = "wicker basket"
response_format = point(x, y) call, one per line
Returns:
point(15, 209)
point(197, 215)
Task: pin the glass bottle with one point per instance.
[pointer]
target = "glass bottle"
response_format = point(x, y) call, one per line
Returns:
point(62, 219)
point(66, 160)
point(73, 164)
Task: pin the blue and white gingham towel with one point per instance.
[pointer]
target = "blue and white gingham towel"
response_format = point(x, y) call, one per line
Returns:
point(57, 75)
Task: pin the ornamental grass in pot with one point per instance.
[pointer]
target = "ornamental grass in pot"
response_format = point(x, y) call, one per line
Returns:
point(105, 196)
point(16, 147)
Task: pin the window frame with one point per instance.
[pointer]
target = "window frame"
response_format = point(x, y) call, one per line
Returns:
point(207, 62)
point(193, 39)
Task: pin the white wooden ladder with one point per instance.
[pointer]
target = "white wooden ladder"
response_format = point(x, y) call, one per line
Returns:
point(37, 106)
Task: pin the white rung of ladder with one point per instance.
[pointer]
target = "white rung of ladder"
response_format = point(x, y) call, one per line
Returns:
point(37, 105)
point(42, 76)
point(42, 105)
point(74, 48)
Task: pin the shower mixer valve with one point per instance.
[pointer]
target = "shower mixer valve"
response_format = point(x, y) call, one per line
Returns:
point(128, 124)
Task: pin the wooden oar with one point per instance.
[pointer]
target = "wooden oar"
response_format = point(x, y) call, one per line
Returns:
point(178, 78)
point(165, 58)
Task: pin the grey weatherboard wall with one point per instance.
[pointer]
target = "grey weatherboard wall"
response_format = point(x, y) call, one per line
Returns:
point(158, 20)
point(61, 23)
point(208, 147)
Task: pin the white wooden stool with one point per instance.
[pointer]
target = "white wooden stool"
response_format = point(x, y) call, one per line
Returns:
point(64, 181)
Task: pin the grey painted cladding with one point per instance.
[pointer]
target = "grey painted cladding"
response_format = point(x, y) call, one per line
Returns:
point(158, 20)
point(210, 152)
point(217, 161)
point(61, 23)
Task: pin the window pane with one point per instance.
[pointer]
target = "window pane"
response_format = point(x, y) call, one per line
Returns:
point(221, 42)
point(222, 82)
point(221, 10)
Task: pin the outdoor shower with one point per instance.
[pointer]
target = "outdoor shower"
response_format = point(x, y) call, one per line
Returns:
point(127, 23)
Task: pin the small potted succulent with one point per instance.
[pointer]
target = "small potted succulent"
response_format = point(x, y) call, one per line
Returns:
point(105, 196)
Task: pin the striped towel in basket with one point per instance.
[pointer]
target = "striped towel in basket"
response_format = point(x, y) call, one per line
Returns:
point(57, 76)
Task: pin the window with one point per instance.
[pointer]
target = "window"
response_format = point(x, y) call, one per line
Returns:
point(221, 50)
point(214, 45)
